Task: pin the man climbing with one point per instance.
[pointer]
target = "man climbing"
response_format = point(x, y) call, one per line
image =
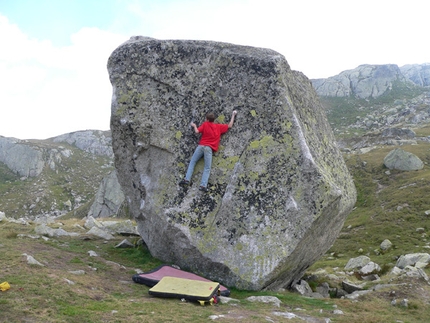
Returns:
point(209, 142)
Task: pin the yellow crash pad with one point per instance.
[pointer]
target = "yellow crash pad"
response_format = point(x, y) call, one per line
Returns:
point(184, 288)
point(4, 286)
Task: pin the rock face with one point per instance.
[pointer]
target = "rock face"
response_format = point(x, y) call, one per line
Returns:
point(96, 142)
point(28, 158)
point(24, 159)
point(402, 160)
point(417, 73)
point(365, 81)
point(108, 199)
point(279, 190)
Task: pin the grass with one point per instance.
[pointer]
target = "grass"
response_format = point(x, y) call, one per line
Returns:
point(390, 205)
point(105, 293)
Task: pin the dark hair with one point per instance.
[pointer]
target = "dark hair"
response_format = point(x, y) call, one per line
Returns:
point(210, 116)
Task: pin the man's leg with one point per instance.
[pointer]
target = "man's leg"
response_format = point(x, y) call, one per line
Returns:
point(198, 153)
point(208, 165)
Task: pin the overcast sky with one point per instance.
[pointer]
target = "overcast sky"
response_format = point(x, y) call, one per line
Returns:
point(53, 53)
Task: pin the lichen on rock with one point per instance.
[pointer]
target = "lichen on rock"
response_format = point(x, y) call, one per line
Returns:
point(279, 190)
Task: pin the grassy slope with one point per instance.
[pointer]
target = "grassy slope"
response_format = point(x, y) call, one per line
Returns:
point(390, 205)
point(106, 293)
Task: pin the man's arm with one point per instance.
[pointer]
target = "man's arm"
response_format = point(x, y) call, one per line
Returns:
point(195, 127)
point(230, 124)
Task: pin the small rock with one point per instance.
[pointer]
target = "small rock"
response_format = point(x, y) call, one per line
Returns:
point(385, 245)
point(69, 281)
point(125, 244)
point(92, 253)
point(357, 263)
point(77, 272)
point(32, 261)
point(265, 299)
point(350, 287)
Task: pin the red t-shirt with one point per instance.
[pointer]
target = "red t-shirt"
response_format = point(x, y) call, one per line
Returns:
point(211, 134)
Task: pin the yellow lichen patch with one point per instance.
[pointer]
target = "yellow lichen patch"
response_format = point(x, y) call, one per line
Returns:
point(178, 135)
point(264, 142)
point(221, 118)
point(253, 113)
point(226, 163)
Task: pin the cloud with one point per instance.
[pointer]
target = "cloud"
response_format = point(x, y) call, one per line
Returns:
point(47, 90)
point(54, 89)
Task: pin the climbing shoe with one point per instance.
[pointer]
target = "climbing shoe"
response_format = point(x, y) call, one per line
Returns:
point(184, 182)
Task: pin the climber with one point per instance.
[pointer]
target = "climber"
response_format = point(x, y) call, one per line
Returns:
point(209, 142)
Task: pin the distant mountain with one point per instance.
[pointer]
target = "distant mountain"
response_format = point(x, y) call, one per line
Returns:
point(417, 73)
point(373, 98)
point(53, 176)
point(372, 81)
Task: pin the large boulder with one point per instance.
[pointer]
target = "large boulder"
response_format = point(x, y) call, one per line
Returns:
point(279, 190)
point(402, 160)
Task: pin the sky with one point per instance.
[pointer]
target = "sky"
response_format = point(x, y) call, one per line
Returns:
point(53, 54)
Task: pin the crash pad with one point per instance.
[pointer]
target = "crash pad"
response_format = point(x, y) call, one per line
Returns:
point(151, 278)
point(189, 289)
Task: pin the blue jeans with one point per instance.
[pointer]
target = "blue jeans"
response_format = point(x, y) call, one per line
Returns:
point(201, 151)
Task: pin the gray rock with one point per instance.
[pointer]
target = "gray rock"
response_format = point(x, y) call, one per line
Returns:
point(125, 244)
point(279, 188)
point(226, 300)
point(77, 272)
point(385, 245)
point(398, 132)
point(92, 253)
point(95, 231)
point(357, 263)
point(402, 160)
point(404, 302)
point(265, 299)
point(43, 229)
point(302, 287)
point(350, 287)
point(324, 290)
point(411, 259)
point(371, 277)
point(108, 199)
point(355, 295)
point(91, 222)
point(341, 293)
point(21, 158)
point(32, 261)
point(369, 268)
